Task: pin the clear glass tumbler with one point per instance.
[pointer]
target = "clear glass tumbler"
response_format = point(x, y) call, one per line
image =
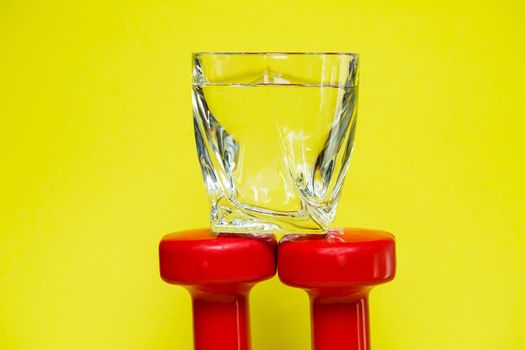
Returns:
point(274, 135)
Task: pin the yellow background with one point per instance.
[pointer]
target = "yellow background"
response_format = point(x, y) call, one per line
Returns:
point(98, 162)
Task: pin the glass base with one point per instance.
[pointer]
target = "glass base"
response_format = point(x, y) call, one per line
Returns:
point(226, 216)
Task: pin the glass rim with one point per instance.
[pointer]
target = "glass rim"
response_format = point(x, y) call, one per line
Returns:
point(296, 53)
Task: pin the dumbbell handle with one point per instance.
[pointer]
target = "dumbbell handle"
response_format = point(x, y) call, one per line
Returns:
point(340, 323)
point(220, 321)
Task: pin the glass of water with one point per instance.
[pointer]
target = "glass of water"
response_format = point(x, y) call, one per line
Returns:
point(274, 133)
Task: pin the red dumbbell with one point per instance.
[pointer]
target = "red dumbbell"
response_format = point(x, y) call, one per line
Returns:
point(338, 270)
point(218, 271)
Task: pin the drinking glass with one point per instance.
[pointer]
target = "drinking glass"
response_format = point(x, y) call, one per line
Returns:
point(274, 134)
